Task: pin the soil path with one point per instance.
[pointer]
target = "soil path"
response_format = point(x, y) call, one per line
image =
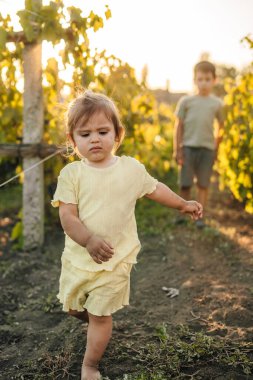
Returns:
point(212, 269)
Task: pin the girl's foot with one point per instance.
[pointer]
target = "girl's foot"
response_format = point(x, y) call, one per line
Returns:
point(90, 373)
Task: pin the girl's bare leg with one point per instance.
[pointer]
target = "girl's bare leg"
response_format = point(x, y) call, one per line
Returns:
point(98, 336)
point(82, 315)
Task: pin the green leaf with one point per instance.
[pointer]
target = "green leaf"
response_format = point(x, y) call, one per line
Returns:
point(3, 38)
point(16, 232)
point(75, 15)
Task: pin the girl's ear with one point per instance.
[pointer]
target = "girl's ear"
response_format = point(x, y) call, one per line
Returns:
point(70, 139)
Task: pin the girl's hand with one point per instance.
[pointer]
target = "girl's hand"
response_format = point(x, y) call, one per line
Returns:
point(99, 249)
point(193, 208)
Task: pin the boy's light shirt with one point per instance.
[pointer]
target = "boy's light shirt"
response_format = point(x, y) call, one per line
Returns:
point(106, 199)
point(198, 114)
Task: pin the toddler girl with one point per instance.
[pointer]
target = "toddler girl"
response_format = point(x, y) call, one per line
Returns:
point(96, 196)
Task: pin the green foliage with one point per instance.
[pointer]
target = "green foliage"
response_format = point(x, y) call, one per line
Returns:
point(3, 38)
point(53, 23)
point(149, 125)
point(152, 133)
point(236, 150)
point(186, 351)
point(10, 97)
point(223, 72)
point(11, 198)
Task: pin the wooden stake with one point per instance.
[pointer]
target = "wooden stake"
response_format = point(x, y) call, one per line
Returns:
point(33, 188)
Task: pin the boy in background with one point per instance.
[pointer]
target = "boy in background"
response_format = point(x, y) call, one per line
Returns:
point(195, 146)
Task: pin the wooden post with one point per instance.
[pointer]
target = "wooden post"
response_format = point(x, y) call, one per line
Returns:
point(33, 188)
point(29, 150)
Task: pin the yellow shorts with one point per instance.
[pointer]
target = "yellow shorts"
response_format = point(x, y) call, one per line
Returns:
point(101, 293)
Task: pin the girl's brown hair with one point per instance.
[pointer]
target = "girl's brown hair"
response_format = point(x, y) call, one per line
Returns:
point(87, 104)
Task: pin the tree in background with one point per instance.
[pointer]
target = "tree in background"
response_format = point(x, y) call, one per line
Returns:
point(98, 71)
point(148, 124)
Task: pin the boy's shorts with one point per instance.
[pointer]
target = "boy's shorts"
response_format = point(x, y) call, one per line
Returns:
point(198, 162)
point(101, 293)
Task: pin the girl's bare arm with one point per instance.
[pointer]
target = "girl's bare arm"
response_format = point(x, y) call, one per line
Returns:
point(72, 225)
point(164, 195)
point(98, 248)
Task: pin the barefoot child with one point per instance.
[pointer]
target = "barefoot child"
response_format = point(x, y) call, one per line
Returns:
point(96, 196)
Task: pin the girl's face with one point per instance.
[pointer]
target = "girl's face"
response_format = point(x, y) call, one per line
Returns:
point(95, 139)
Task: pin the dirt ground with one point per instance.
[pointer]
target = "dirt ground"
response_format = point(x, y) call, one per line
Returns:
point(212, 269)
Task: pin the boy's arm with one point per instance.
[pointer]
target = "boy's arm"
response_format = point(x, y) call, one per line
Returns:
point(165, 196)
point(178, 141)
point(98, 248)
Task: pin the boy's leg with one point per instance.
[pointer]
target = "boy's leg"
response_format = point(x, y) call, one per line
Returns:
point(185, 192)
point(204, 172)
point(186, 175)
point(202, 196)
point(98, 336)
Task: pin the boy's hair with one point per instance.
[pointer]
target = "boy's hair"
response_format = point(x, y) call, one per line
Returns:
point(205, 67)
point(87, 104)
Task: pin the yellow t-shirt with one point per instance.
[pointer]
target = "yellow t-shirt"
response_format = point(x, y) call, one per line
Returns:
point(106, 199)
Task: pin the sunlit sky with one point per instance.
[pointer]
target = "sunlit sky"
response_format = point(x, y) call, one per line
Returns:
point(168, 35)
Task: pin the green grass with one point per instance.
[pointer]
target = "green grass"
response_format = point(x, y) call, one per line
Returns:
point(11, 198)
point(184, 353)
point(180, 354)
point(153, 218)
